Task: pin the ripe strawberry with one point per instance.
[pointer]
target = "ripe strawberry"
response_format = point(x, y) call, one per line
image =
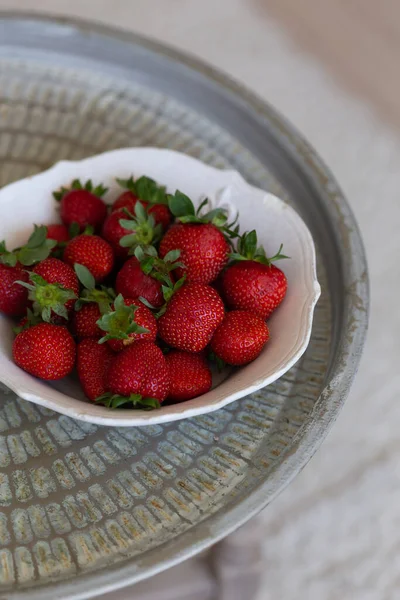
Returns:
point(125, 232)
point(92, 252)
point(127, 322)
point(137, 377)
point(45, 350)
point(131, 282)
point(191, 317)
point(189, 375)
point(52, 301)
point(13, 297)
point(149, 194)
point(93, 303)
point(53, 270)
point(82, 205)
point(113, 232)
point(93, 361)
point(204, 249)
point(84, 321)
point(254, 283)
point(57, 232)
point(240, 337)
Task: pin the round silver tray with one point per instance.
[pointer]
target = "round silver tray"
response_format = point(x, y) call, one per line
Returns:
point(88, 509)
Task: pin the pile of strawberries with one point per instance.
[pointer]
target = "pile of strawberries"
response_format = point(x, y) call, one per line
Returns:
point(139, 297)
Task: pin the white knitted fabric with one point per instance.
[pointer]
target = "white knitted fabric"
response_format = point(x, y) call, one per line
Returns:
point(334, 533)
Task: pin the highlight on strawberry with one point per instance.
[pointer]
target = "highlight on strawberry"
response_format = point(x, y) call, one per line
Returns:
point(140, 298)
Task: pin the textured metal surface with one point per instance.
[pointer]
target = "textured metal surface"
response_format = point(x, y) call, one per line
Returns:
point(90, 508)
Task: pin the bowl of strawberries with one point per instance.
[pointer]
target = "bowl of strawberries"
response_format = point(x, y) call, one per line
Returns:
point(142, 286)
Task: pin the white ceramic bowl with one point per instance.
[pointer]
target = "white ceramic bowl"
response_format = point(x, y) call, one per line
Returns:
point(30, 201)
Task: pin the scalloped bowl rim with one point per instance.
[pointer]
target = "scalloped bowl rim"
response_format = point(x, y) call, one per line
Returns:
point(162, 160)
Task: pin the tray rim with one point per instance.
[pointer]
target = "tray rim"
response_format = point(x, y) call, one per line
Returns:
point(349, 343)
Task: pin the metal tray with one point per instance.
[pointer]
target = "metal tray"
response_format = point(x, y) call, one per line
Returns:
point(90, 509)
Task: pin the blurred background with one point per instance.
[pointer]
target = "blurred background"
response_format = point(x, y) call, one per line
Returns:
point(331, 67)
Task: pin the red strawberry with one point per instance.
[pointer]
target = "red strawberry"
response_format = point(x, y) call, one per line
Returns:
point(57, 232)
point(92, 252)
point(92, 362)
point(189, 375)
point(149, 194)
point(138, 377)
point(191, 317)
point(125, 200)
point(56, 271)
point(52, 301)
point(131, 282)
point(126, 232)
point(113, 232)
point(84, 321)
point(254, 283)
point(45, 350)
point(204, 249)
point(13, 297)
point(127, 322)
point(240, 337)
point(82, 205)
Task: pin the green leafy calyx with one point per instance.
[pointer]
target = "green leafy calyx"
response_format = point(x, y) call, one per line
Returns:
point(142, 225)
point(47, 298)
point(145, 189)
point(102, 296)
point(184, 211)
point(37, 248)
point(133, 401)
point(120, 323)
point(98, 190)
point(248, 249)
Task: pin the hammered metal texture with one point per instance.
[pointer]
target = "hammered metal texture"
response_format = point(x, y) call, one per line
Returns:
point(75, 497)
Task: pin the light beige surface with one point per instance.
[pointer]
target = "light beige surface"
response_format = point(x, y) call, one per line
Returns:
point(334, 532)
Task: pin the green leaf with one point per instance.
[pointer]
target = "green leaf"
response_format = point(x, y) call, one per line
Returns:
point(139, 253)
point(74, 230)
point(30, 256)
point(9, 258)
point(250, 243)
point(128, 184)
point(120, 322)
point(37, 279)
point(61, 311)
point(85, 276)
point(141, 213)
point(180, 205)
point(127, 240)
point(38, 237)
point(172, 256)
point(134, 401)
point(46, 314)
point(202, 205)
point(146, 303)
point(128, 224)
